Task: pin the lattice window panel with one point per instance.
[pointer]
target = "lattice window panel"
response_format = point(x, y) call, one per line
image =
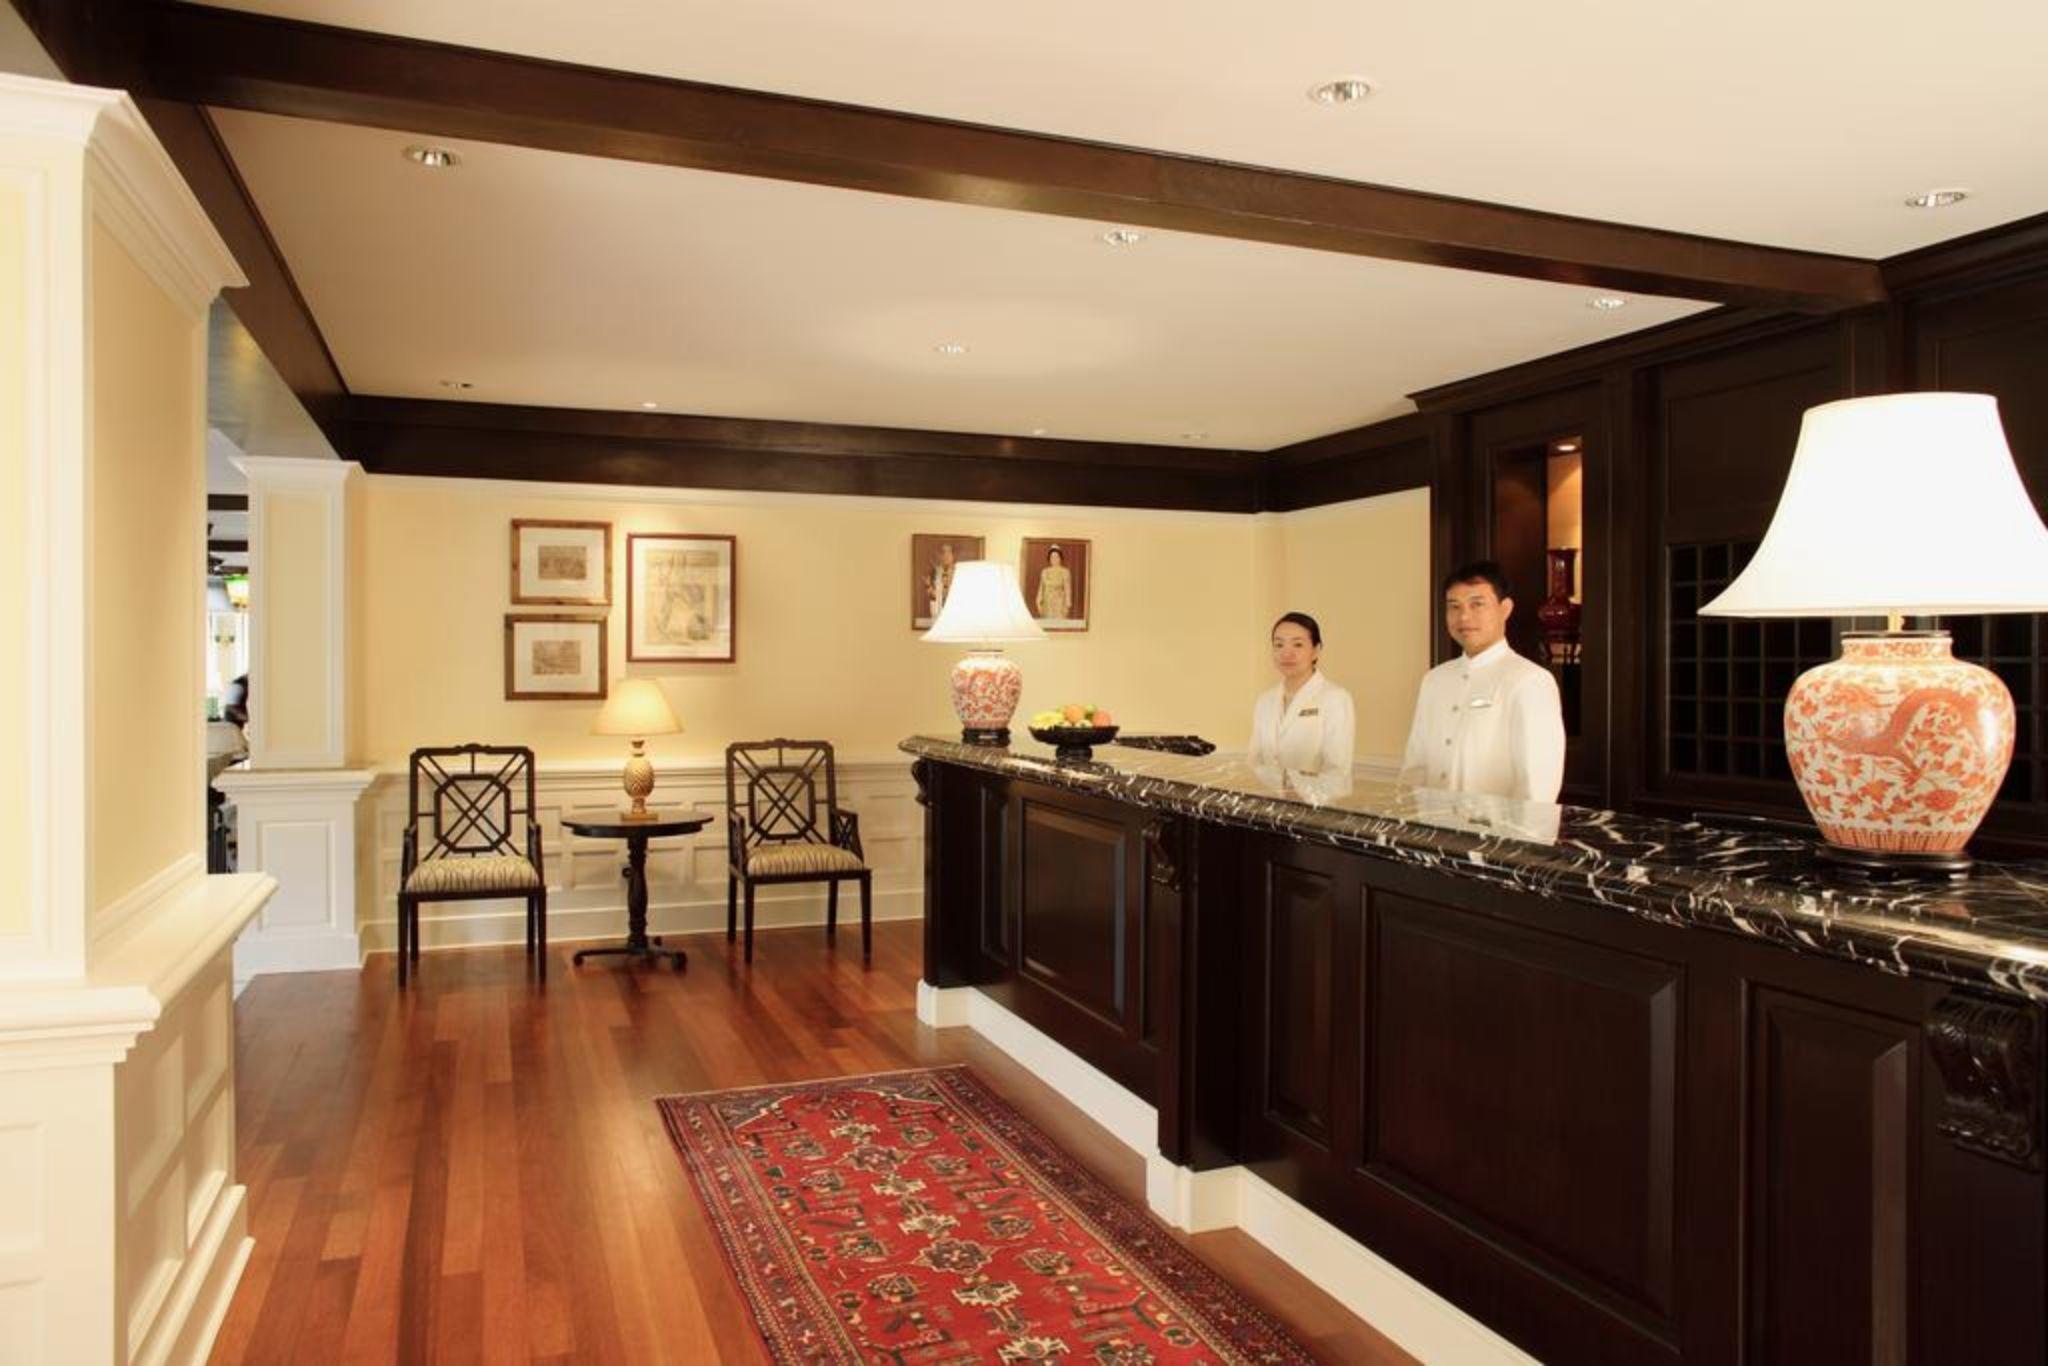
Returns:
point(1726, 678)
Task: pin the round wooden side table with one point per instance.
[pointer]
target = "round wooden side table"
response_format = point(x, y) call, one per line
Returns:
point(639, 944)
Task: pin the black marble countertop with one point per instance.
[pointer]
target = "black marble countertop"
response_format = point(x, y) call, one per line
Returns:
point(1989, 932)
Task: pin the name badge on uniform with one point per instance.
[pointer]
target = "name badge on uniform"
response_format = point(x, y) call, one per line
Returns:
point(1310, 711)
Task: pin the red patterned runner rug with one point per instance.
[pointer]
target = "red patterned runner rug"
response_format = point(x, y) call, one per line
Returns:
point(915, 1218)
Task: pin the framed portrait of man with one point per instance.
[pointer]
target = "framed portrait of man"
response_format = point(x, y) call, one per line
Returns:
point(682, 599)
point(932, 561)
point(1057, 573)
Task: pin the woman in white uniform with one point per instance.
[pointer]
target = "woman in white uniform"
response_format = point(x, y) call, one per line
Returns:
point(1302, 726)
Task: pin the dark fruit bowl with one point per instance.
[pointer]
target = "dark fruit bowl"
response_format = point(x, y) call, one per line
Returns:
point(1073, 742)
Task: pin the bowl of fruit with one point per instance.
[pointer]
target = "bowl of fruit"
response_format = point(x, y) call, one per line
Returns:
point(1074, 728)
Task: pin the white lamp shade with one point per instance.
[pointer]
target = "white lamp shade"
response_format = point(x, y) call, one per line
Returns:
point(984, 607)
point(637, 707)
point(1905, 503)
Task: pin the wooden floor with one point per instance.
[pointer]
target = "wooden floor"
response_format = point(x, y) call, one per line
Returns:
point(474, 1170)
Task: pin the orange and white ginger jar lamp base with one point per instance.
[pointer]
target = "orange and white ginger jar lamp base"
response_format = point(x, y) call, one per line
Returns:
point(1899, 749)
point(986, 687)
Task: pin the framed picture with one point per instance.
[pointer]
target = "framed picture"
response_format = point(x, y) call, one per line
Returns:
point(561, 564)
point(1057, 573)
point(931, 573)
point(682, 599)
point(554, 659)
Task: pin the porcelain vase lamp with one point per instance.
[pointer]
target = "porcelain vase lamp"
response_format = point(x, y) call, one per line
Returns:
point(985, 609)
point(1900, 505)
point(637, 708)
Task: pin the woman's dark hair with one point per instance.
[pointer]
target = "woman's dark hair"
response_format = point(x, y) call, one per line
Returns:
point(1053, 550)
point(1305, 622)
point(1479, 571)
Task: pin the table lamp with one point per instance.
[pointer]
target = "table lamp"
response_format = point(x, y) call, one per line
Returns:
point(1905, 504)
point(985, 609)
point(639, 708)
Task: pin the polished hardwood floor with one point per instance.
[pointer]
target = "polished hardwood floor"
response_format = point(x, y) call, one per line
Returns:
point(473, 1170)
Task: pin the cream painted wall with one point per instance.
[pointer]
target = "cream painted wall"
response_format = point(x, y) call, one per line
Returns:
point(147, 498)
point(14, 666)
point(825, 646)
point(1361, 569)
point(295, 635)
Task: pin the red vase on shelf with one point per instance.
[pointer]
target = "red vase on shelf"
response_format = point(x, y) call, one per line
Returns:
point(1559, 615)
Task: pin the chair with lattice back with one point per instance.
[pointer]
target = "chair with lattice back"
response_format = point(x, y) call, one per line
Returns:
point(471, 833)
point(784, 824)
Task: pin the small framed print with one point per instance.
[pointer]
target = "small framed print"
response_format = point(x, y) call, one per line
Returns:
point(682, 599)
point(554, 659)
point(1057, 574)
point(932, 559)
point(561, 564)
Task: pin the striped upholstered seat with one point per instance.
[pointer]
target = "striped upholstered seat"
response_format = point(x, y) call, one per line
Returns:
point(800, 856)
point(477, 873)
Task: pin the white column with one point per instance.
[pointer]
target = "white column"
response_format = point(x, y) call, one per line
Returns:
point(299, 814)
point(122, 1227)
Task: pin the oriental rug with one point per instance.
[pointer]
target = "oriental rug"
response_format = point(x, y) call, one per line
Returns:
point(915, 1217)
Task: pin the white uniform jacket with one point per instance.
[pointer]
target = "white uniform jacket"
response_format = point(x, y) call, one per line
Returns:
point(1491, 723)
point(1311, 736)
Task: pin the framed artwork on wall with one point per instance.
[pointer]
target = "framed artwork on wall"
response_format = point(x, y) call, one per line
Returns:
point(931, 573)
point(561, 564)
point(554, 658)
point(682, 599)
point(1057, 574)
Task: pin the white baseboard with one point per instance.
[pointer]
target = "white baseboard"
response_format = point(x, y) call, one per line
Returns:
point(479, 924)
point(1421, 1321)
point(184, 1328)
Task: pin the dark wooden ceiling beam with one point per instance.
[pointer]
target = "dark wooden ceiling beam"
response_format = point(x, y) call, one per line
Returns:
point(242, 61)
point(665, 450)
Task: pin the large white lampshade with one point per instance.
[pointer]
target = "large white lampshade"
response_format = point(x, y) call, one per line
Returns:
point(985, 608)
point(1906, 504)
point(637, 707)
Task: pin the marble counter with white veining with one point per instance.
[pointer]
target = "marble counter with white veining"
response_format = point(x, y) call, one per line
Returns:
point(1989, 932)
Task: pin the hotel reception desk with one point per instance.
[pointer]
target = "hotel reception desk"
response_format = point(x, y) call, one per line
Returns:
point(1621, 1090)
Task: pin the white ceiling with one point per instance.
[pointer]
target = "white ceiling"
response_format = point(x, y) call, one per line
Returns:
point(1802, 124)
point(550, 279)
point(561, 280)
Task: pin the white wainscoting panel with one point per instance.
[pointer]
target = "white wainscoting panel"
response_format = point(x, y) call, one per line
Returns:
point(306, 828)
point(686, 882)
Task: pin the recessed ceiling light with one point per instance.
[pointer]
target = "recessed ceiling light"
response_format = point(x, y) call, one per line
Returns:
point(1194, 436)
point(1038, 431)
point(433, 158)
point(650, 404)
point(456, 384)
point(1123, 237)
point(1937, 199)
point(1607, 303)
point(951, 348)
point(1567, 447)
point(1343, 90)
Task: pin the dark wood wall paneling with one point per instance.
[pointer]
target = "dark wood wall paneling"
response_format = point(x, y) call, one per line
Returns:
point(1690, 429)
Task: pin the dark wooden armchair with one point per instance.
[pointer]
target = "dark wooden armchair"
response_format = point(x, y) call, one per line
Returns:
point(783, 824)
point(471, 834)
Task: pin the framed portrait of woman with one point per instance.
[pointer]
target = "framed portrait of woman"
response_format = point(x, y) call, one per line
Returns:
point(1057, 573)
point(682, 599)
point(932, 561)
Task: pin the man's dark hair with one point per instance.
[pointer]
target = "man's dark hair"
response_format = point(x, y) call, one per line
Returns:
point(1479, 571)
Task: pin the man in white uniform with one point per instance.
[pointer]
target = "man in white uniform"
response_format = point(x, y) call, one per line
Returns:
point(1489, 721)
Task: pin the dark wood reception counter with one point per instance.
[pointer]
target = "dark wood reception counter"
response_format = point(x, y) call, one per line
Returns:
point(1620, 1089)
